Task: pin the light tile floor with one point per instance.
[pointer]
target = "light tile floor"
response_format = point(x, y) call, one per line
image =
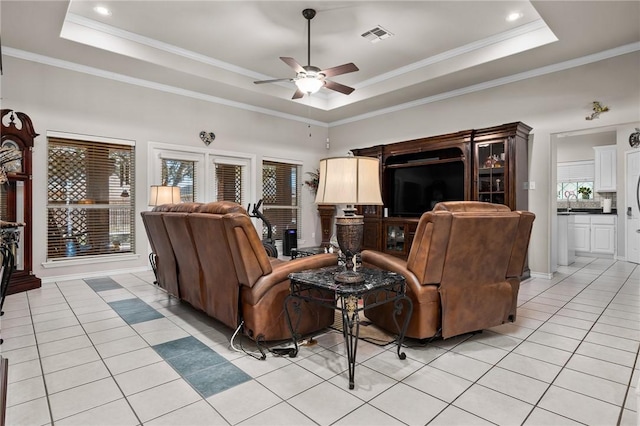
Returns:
point(79, 355)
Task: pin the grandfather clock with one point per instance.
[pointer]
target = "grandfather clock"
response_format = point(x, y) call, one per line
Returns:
point(15, 199)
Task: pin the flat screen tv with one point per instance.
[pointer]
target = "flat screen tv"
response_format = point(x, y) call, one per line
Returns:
point(414, 189)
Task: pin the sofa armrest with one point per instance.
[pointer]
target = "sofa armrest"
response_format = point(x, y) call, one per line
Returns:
point(390, 263)
point(281, 272)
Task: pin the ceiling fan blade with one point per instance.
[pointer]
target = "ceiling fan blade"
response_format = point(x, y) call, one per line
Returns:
point(340, 69)
point(338, 87)
point(299, 94)
point(292, 63)
point(272, 81)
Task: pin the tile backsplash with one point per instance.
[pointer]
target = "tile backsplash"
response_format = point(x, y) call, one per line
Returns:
point(594, 202)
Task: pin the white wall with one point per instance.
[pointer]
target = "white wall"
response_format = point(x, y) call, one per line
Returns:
point(580, 148)
point(550, 104)
point(61, 100)
point(67, 101)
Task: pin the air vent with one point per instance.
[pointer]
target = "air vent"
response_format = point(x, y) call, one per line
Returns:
point(377, 34)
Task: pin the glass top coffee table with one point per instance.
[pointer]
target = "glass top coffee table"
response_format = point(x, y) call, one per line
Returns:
point(318, 286)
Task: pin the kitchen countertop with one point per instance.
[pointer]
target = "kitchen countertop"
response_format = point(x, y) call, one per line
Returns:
point(585, 211)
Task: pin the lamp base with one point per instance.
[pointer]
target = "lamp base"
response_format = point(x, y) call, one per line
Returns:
point(349, 230)
point(349, 277)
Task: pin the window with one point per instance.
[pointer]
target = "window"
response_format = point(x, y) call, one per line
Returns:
point(201, 174)
point(180, 173)
point(91, 190)
point(281, 204)
point(566, 190)
point(573, 175)
point(230, 176)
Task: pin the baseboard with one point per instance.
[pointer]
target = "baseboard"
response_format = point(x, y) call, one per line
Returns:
point(546, 276)
point(95, 274)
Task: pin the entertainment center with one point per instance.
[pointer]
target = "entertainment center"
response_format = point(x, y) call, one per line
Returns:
point(488, 165)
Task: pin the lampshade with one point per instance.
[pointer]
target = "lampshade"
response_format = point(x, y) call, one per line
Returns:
point(161, 194)
point(349, 180)
point(309, 84)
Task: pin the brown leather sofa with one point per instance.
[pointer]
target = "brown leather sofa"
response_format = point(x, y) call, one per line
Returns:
point(463, 270)
point(211, 256)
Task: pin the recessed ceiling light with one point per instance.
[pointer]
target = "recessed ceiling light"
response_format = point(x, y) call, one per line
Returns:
point(514, 16)
point(102, 10)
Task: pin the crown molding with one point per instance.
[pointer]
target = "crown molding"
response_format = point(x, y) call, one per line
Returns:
point(72, 66)
point(561, 66)
point(462, 50)
point(537, 72)
point(94, 25)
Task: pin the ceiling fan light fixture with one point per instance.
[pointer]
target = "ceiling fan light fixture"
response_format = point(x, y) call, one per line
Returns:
point(309, 84)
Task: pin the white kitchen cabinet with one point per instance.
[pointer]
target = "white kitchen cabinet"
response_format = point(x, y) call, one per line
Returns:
point(605, 168)
point(595, 234)
point(582, 234)
point(603, 234)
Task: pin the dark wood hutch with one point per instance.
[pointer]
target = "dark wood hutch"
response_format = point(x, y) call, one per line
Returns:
point(15, 196)
point(480, 164)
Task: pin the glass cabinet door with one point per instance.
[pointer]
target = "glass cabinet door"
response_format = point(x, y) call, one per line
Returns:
point(491, 176)
point(395, 238)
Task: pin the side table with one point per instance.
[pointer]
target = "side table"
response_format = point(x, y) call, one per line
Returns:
point(318, 286)
point(306, 251)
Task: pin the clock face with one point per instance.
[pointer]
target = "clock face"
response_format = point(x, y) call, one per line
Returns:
point(10, 144)
point(12, 161)
point(634, 139)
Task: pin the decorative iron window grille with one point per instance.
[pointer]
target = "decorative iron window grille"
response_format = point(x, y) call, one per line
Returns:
point(91, 193)
point(281, 197)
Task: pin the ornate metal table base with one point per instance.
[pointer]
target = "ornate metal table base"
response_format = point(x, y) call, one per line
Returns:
point(379, 287)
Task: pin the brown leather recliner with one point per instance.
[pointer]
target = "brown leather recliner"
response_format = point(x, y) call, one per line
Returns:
point(264, 284)
point(463, 270)
point(166, 266)
point(223, 268)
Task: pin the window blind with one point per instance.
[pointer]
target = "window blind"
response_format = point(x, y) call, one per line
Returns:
point(91, 193)
point(281, 204)
point(229, 182)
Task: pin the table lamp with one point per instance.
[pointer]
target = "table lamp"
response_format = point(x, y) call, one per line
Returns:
point(351, 181)
point(162, 194)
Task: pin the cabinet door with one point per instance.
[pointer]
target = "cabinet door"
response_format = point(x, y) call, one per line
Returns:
point(398, 236)
point(491, 179)
point(582, 240)
point(605, 167)
point(603, 239)
point(371, 234)
point(394, 239)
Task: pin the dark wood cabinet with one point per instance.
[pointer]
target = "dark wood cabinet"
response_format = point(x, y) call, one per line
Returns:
point(326, 213)
point(501, 168)
point(372, 232)
point(398, 235)
point(479, 164)
point(15, 196)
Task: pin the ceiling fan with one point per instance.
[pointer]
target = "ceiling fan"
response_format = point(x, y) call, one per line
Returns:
point(310, 79)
